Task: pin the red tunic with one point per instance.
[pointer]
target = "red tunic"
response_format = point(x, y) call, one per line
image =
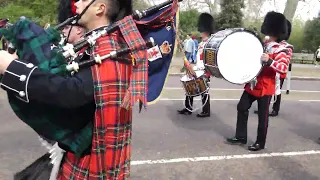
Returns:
point(266, 79)
point(289, 55)
point(111, 145)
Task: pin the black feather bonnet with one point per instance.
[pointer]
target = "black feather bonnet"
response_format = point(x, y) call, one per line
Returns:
point(66, 9)
point(206, 23)
point(289, 26)
point(275, 24)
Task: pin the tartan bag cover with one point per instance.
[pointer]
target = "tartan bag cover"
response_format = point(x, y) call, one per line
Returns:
point(139, 81)
point(33, 44)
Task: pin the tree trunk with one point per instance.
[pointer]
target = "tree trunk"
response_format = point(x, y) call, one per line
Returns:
point(291, 7)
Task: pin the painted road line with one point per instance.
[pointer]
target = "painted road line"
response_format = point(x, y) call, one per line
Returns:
point(223, 89)
point(195, 99)
point(211, 99)
point(226, 157)
point(309, 100)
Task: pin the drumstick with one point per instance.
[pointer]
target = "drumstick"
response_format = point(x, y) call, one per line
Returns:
point(266, 50)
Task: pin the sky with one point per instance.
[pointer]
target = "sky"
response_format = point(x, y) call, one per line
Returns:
point(305, 11)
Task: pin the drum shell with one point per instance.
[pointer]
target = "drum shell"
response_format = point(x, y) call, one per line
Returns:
point(196, 87)
point(210, 52)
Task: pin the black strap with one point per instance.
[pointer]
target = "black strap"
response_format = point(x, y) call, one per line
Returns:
point(78, 18)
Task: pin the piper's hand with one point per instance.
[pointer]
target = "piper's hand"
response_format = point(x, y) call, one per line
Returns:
point(264, 57)
point(5, 59)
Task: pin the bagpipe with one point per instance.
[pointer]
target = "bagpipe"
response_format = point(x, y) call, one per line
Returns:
point(34, 44)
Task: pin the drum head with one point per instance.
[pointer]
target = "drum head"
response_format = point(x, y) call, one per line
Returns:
point(239, 56)
point(186, 78)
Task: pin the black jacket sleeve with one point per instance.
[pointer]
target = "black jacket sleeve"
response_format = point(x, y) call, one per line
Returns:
point(28, 82)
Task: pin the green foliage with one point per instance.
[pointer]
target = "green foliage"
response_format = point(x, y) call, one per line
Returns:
point(255, 26)
point(14, 11)
point(41, 11)
point(188, 21)
point(140, 5)
point(311, 38)
point(296, 37)
point(231, 14)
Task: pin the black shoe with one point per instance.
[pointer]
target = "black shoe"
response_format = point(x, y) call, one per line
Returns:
point(273, 113)
point(203, 114)
point(237, 141)
point(255, 147)
point(184, 111)
point(256, 112)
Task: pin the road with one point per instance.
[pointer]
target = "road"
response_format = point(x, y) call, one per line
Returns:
point(168, 146)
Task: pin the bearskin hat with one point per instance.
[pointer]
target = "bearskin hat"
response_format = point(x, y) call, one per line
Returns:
point(289, 26)
point(66, 9)
point(206, 23)
point(275, 24)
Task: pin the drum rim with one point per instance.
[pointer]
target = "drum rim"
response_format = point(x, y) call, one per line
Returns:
point(236, 30)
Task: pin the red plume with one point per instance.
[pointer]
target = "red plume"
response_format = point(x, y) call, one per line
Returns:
point(73, 7)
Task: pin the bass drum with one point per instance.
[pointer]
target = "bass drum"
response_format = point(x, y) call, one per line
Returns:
point(234, 54)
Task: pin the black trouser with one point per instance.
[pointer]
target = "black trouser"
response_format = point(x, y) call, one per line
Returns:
point(263, 115)
point(206, 105)
point(276, 105)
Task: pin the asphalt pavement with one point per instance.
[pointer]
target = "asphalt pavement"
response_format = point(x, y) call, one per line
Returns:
point(168, 146)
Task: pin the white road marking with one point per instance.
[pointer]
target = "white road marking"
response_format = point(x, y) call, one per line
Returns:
point(309, 100)
point(195, 99)
point(227, 157)
point(198, 99)
point(229, 89)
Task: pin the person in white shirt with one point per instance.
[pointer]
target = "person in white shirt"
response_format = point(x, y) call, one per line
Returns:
point(206, 28)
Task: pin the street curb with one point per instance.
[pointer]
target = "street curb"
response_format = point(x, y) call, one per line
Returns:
point(299, 78)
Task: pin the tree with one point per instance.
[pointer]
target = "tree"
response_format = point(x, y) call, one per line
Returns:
point(296, 37)
point(311, 38)
point(290, 9)
point(140, 4)
point(253, 9)
point(188, 21)
point(231, 14)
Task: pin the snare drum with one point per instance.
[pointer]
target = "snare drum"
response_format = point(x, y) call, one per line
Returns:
point(195, 86)
point(234, 54)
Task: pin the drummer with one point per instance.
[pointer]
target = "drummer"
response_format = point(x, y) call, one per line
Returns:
point(262, 89)
point(206, 28)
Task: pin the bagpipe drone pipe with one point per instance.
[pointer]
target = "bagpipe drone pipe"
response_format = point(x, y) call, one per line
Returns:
point(34, 44)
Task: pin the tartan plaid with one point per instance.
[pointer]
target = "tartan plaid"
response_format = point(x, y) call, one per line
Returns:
point(111, 144)
point(139, 80)
point(33, 45)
